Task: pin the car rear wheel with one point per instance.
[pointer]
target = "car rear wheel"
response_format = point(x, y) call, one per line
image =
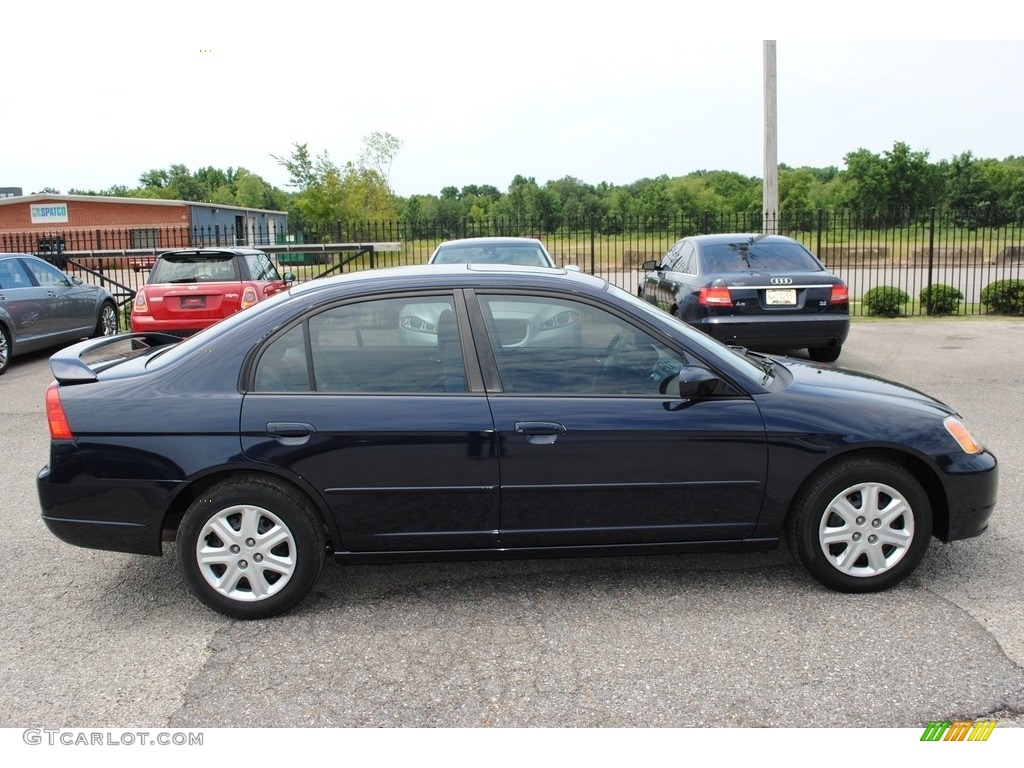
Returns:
point(824, 354)
point(861, 525)
point(5, 348)
point(251, 547)
point(106, 323)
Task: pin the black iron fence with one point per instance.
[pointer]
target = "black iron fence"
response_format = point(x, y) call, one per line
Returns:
point(911, 252)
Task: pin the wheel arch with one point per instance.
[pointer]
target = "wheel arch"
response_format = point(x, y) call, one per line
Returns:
point(197, 486)
point(922, 471)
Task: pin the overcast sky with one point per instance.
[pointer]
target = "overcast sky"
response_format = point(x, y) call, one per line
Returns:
point(97, 93)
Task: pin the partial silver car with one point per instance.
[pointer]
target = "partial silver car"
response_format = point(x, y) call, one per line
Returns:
point(41, 307)
point(522, 251)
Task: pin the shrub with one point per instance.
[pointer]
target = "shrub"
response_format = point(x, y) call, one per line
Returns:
point(885, 301)
point(1004, 297)
point(945, 299)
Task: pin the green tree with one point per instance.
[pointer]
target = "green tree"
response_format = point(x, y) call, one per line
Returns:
point(379, 153)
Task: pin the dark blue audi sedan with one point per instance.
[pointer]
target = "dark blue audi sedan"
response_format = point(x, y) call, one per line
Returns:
point(483, 411)
point(765, 292)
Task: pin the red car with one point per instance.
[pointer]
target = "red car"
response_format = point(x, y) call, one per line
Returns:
point(188, 290)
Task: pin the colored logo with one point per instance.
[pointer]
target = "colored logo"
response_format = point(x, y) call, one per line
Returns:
point(958, 730)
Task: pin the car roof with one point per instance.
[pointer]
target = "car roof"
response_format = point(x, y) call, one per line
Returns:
point(490, 241)
point(198, 251)
point(455, 275)
point(732, 237)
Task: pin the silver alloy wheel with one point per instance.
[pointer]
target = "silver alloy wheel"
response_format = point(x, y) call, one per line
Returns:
point(866, 529)
point(246, 553)
point(108, 320)
point(5, 350)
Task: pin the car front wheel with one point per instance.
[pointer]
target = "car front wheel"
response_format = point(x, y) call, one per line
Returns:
point(251, 547)
point(861, 525)
point(5, 348)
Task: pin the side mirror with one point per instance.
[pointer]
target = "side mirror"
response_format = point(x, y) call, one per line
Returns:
point(289, 277)
point(649, 265)
point(76, 280)
point(695, 381)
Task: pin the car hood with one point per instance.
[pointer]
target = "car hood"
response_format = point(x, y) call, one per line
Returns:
point(814, 380)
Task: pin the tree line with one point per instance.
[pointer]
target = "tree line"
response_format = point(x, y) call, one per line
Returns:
point(901, 182)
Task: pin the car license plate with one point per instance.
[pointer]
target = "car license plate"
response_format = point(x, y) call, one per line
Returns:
point(775, 297)
point(193, 302)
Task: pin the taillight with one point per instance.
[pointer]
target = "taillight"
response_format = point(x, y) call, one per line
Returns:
point(59, 427)
point(840, 294)
point(140, 302)
point(249, 296)
point(715, 296)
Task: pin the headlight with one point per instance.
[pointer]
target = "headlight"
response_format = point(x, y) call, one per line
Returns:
point(959, 431)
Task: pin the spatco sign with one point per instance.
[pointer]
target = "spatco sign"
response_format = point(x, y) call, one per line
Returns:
point(53, 213)
point(782, 281)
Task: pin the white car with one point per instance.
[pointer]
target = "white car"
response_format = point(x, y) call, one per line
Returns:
point(524, 251)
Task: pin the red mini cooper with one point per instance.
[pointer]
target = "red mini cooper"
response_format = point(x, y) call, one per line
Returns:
point(190, 289)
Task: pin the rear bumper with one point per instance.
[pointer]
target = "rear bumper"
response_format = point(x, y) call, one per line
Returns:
point(119, 516)
point(778, 333)
point(177, 327)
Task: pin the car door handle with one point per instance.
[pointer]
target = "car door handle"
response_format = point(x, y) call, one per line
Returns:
point(540, 432)
point(290, 429)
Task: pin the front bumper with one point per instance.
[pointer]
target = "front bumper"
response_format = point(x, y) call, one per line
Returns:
point(971, 484)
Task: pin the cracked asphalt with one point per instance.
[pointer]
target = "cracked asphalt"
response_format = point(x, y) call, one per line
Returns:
point(99, 639)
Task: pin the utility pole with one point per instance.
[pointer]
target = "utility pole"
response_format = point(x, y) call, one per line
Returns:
point(770, 196)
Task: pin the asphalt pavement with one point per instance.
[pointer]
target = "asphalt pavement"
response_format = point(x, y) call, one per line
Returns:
point(100, 639)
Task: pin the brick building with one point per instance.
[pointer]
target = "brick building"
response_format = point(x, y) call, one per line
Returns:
point(46, 224)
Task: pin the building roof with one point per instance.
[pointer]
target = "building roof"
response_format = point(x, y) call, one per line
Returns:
point(38, 198)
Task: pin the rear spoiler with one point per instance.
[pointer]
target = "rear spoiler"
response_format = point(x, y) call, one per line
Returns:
point(68, 367)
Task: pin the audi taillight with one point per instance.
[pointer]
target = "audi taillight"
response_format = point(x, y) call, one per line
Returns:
point(715, 296)
point(840, 294)
point(59, 427)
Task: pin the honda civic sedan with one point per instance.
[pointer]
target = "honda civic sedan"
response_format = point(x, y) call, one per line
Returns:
point(765, 292)
point(308, 426)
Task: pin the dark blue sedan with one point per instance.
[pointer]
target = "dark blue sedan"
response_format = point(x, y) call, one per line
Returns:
point(765, 292)
point(481, 411)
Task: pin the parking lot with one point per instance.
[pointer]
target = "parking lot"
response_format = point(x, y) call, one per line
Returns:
point(95, 639)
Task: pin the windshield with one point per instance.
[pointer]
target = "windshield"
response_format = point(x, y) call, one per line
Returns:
point(746, 256)
point(200, 340)
point(195, 268)
point(523, 254)
point(711, 350)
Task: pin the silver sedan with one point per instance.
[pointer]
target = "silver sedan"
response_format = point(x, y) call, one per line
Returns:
point(41, 307)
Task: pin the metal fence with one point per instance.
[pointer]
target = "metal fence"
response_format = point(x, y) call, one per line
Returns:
point(911, 252)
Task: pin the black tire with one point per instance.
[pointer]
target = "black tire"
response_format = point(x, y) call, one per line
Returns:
point(106, 321)
point(251, 547)
point(824, 354)
point(6, 348)
point(853, 552)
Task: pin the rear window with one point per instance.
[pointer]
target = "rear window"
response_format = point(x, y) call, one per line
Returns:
point(195, 268)
point(759, 257)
